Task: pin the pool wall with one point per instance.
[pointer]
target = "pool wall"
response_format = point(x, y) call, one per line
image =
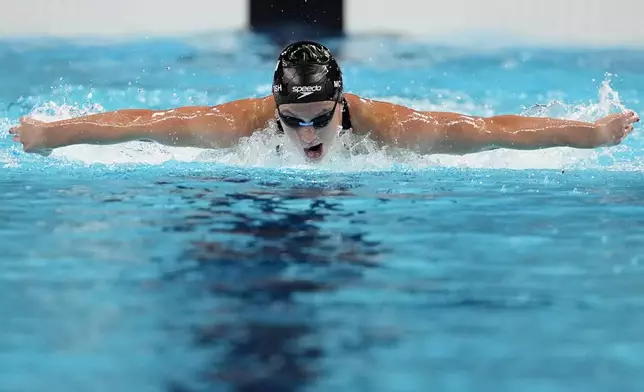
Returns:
point(492, 22)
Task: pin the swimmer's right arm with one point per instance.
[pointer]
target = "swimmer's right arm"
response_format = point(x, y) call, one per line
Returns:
point(192, 126)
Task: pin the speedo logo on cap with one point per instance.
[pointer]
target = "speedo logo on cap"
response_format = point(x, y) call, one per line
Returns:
point(306, 89)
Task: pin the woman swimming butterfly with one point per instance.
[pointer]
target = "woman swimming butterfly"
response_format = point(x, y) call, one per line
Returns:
point(311, 108)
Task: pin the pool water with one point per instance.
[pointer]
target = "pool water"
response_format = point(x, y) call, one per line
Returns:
point(140, 267)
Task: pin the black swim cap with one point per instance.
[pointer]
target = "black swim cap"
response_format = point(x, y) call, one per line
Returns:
point(306, 72)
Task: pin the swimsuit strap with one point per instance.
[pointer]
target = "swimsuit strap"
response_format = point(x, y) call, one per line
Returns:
point(346, 116)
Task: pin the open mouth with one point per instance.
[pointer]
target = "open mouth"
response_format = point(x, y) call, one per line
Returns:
point(314, 152)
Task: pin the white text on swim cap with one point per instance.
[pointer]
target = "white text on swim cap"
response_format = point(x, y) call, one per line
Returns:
point(306, 89)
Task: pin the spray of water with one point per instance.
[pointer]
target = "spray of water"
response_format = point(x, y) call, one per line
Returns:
point(351, 153)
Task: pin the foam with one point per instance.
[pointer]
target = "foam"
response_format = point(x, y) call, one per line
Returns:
point(361, 153)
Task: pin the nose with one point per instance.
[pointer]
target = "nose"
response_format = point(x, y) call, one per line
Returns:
point(307, 134)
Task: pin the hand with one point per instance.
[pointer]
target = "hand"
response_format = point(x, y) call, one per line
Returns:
point(614, 128)
point(31, 133)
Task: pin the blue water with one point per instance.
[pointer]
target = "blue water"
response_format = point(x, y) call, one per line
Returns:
point(140, 267)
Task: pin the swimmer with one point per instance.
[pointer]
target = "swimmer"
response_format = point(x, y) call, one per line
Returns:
point(311, 108)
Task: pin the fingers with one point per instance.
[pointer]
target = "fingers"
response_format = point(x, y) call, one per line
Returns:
point(15, 130)
point(23, 134)
point(628, 126)
point(23, 120)
point(631, 116)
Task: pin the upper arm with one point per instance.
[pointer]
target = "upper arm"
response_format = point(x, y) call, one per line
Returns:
point(220, 125)
point(437, 132)
point(246, 115)
point(454, 133)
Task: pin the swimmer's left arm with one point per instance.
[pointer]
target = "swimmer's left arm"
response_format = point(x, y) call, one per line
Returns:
point(461, 134)
point(453, 133)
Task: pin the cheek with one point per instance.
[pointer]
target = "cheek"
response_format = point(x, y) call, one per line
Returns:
point(290, 134)
point(329, 135)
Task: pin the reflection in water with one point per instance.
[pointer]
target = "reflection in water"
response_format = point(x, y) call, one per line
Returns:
point(259, 250)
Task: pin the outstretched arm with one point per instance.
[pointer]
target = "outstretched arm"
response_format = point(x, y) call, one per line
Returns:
point(193, 126)
point(453, 133)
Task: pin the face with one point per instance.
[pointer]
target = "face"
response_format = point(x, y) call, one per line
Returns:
point(312, 126)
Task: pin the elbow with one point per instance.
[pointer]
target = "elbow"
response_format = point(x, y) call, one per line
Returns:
point(468, 136)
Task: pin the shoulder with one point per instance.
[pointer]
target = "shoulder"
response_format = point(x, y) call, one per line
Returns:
point(258, 111)
point(260, 104)
point(371, 107)
point(359, 109)
point(368, 114)
point(357, 102)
